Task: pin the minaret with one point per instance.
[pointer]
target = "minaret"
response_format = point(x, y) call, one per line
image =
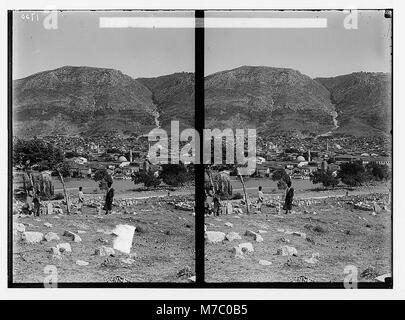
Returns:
point(309, 155)
point(130, 155)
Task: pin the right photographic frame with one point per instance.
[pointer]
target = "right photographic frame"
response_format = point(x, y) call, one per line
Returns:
point(298, 148)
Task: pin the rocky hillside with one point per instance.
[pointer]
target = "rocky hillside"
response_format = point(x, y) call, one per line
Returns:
point(81, 100)
point(275, 100)
point(174, 98)
point(362, 101)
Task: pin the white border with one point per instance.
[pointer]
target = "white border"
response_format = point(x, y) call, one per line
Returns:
point(245, 294)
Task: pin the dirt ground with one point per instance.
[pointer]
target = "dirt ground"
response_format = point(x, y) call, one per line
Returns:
point(163, 244)
point(340, 234)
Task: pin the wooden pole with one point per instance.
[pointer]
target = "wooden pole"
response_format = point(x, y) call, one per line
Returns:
point(65, 193)
point(244, 191)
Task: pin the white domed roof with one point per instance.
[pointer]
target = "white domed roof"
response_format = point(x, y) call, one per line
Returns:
point(122, 159)
point(300, 158)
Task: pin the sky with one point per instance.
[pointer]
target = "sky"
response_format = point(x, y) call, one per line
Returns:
point(78, 41)
point(319, 52)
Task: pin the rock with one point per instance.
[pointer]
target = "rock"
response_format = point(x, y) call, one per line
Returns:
point(128, 260)
point(228, 224)
point(281, 230)
point(376, 208)
point(48, 225)
point(58, 211)
point(104, 251)
point(233, 236)
point(32, 237)
point(64, 247)
point(50, 236)
point(18, 227)
point(265, 263)
point(313, 259)
point(54, 251)
point(214, 236)
point(192, 279)
point(73, 236)
point(124, 235)
point(256, 236)
point(287, 251)
point(299, 234)
point(81, 231)
point(49, 208)
point(262, 231)
point(246, 247)
point(382, 277)
point(238, 253)
point(82, 263)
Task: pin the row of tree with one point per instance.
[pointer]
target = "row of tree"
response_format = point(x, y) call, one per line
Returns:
point(352, 174)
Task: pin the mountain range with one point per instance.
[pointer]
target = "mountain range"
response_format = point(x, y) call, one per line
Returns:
point(98, 101)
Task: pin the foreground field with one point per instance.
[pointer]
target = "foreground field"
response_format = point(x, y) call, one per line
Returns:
point(162, 247)
point(328, 234)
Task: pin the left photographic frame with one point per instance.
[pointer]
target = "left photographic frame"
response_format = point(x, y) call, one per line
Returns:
point(91, 93)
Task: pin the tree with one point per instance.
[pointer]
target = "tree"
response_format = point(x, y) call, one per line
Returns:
point(325, 177)
point(174, 174)
point(148, 178)
point(280, 175)
point(102, 177)
point(27, 153)
point(352, 174)
point(378, 172)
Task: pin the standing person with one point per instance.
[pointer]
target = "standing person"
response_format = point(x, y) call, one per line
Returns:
point(289, 195)
point(29, 199)
point(260, 199)
point(37, 204)
point(81, 200)
point(109, 197)
point(216, 205)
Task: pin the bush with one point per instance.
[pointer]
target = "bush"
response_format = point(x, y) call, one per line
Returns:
point(378, 172)
point(174, 174)
point(237, 196)
point(148, 178)
point(325, 177)
point(58, 196)
point(352, 174)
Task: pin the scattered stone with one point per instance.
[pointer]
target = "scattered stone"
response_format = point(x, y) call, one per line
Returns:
point(233, 236)
point(81, 231)
point(104, 251)
point(257, 237)
point(313, 259)
point(73, 236)
point(265, 263)
point(246, 247)
point(228, 224)
point(124, 235)
point(192, 279)
point(51, 236)
point(102, 240)
point(82, 263)
point(281, 230)
point(285, 240)
point(238, 253)
point(32, 237)
point(18, 227)
point(262, 231)
point(64, 247)
point(382, 277)
point(128, 260)
point(287, 251)
point(299, 234)
point(48, 225)
point(214, 236)
point(369, 273)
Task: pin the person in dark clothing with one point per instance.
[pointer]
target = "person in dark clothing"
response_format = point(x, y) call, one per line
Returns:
point(37, 204)
point(109, 197)
point(289, 195)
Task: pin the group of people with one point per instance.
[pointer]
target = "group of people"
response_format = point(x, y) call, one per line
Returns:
point(288, 198)
point(33, 201)
point(213, 206)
